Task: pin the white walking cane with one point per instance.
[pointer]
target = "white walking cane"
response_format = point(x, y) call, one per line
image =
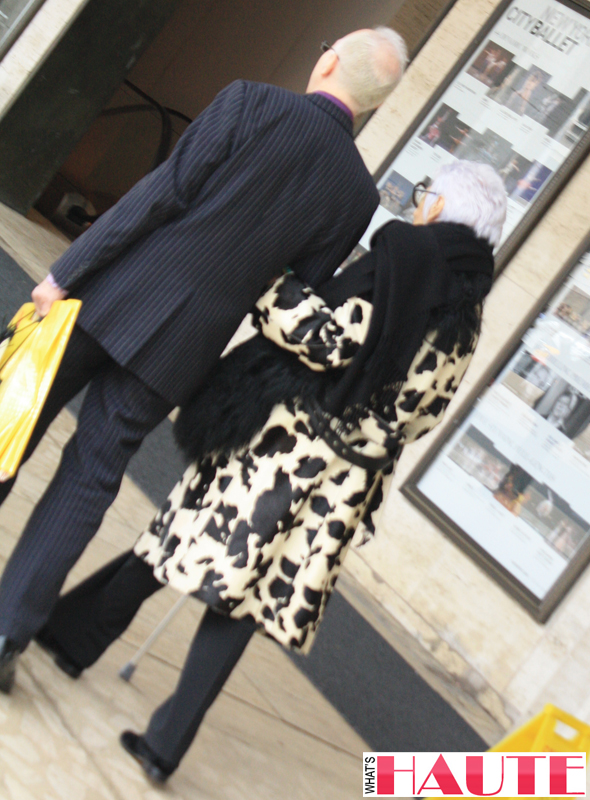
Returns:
point(126, 671)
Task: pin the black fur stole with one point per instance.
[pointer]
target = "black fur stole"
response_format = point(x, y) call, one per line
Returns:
point(239, 395)
point(417, 279)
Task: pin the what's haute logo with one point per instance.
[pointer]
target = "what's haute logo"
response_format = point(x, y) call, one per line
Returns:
point(474, 775)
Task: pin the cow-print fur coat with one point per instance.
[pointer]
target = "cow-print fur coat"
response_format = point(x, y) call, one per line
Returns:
point(263, 532)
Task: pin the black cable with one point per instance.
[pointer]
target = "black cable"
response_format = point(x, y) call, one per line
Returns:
point(174, 113)
point(113, 112)
point(166, 134)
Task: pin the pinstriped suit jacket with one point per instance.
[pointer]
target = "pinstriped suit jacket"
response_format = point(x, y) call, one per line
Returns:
point(261, 180)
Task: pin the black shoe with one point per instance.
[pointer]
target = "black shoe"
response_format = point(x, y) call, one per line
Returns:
point(9, 653)
point(62, 660)
point(154, 767)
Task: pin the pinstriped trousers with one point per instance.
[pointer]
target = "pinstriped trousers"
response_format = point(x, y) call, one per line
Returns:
point(118, 412)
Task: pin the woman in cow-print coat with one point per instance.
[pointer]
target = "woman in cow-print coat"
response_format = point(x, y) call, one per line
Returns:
point(292, 441)
point(264, 531)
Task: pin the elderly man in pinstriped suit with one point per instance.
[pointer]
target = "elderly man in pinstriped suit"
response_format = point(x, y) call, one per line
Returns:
point(261, 180)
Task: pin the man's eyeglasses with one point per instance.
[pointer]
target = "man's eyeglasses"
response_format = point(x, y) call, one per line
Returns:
point(418, 193)
point(325, 46)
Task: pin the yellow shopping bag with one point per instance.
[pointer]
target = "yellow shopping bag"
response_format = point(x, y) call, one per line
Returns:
point(29, 361)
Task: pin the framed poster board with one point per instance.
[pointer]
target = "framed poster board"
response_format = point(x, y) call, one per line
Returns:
point(14, 16)
point(511, 481)
point(518, 100)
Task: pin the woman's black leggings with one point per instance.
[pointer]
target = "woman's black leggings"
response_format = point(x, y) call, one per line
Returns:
point(91, 616)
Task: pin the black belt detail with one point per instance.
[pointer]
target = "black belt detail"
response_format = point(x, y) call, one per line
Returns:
point(320, 422)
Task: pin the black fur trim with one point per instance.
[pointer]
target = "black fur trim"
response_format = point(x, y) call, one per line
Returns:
point(239, 395)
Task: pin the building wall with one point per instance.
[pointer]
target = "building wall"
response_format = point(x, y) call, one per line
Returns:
point(460, 629)
point(274, 41)
point(42, 33)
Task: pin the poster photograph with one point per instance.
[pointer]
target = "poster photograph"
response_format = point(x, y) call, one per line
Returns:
point(521, 103)
point(513, 480)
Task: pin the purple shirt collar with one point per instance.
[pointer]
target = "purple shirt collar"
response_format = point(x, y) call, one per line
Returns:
point(337, 102)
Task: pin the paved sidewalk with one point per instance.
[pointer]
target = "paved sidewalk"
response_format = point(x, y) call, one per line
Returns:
point(270, 734)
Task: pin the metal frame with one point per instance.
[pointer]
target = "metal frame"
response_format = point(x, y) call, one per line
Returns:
point(23, 19)
point(557, 182)
point(539, 609)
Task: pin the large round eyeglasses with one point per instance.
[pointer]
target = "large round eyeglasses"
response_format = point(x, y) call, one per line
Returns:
point(418, 192)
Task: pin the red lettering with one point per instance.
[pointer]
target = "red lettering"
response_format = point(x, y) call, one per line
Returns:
point(558, 768)
point(474, 776)
point(526, 773)
point(444, 777)
point(386, 774)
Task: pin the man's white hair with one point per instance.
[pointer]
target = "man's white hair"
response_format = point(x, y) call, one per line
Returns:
point(474, 195)
point(372, 63)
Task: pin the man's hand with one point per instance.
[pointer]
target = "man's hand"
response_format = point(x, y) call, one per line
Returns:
point(45, 294)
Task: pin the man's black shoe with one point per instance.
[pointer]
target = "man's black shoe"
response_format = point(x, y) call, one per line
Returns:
point(9, 653)
point(153, 766)
point(62, 660)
